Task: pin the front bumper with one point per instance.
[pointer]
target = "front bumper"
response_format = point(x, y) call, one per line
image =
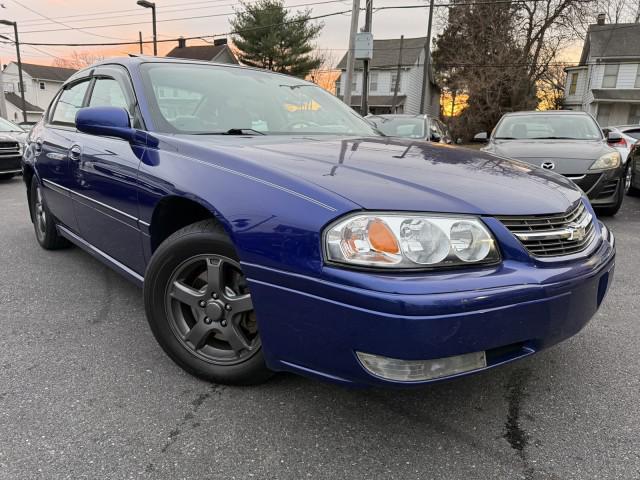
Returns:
point(314, 326)
point(10, 164)
point(601, 188)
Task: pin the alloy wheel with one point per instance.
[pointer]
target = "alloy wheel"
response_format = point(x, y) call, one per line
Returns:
point(40, 214)
point(628, 178)
point(210, 310)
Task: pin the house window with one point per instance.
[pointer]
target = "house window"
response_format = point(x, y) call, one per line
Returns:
point(637, 85)
point(610, 78)
point(634, 114)
point(573, 85)
point(42, 86)
point(604, 111)
point(373, 81)
point(394, 77)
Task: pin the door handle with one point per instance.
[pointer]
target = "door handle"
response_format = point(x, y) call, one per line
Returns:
point(75, 152)
point(38, 147)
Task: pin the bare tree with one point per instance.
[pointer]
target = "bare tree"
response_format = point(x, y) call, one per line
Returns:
point(78, 60)
point(325, 74)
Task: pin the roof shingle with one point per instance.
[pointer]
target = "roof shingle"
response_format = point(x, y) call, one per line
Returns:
point(47, 72)
point(612, 40)
point(16, 100)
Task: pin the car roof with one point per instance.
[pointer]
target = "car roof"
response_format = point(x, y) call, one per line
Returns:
point(397, 115)
point(545, 112)
point(134, 60)
point(625, 127)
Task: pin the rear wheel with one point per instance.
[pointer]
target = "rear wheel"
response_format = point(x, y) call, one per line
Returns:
point(43, 222)
point(200, 309)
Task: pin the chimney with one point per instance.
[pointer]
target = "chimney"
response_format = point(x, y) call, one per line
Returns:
point(219, 41)
point(601, 18)
point(182, 42)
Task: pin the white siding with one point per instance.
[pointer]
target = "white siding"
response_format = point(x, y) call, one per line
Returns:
point(32, 92)
point(626, 75)
point(15, 114)
point(576, 98)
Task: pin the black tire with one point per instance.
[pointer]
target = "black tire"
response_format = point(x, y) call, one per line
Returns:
point(191, 282)
point(633, 191)
point(7, 176)
point(43, 222)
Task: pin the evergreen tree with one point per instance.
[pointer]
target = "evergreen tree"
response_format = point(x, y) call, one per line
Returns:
point(268, 36)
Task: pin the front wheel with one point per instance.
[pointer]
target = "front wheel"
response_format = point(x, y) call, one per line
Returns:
point(200, 309)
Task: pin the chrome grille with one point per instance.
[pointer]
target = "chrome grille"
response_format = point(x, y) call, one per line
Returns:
point(9, 149)
point(553, 235)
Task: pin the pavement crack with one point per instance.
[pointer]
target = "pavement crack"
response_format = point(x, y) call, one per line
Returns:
point(196, 403)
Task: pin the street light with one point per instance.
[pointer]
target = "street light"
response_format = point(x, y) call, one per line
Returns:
point(17, 42)
point(152, 6)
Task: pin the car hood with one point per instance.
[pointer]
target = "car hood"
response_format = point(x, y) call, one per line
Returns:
point(382, 173)
point(568, 156)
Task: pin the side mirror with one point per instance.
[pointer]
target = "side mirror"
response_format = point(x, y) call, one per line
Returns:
point(481, 137)
point(105, 121)
point(614, 137)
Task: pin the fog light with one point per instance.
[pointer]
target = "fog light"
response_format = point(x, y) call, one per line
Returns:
point(419, 370)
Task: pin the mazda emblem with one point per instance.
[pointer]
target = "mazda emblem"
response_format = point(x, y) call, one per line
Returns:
point(548, 165)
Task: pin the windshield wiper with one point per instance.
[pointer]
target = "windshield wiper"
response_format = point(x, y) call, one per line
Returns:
point(509, 138)
point(233, 131)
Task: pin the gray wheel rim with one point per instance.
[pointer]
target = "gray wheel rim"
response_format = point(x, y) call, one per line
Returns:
point(40, 214)
point(210, 310)
point(628, 177)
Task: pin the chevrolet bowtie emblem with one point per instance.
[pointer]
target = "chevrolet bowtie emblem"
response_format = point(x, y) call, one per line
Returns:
point(576, 232)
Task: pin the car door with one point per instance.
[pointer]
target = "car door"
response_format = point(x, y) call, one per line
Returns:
point(106, 171)
point(52, 149)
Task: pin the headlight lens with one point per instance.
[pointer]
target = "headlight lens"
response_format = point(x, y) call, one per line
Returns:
point(409, 241)
point(606, 162)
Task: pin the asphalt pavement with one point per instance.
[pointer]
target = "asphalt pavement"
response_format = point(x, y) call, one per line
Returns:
point(86, 393)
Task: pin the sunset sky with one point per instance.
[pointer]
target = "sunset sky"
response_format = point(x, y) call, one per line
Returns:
point(82, 21)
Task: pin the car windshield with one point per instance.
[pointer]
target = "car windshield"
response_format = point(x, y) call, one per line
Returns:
point(203, 99)
point(408, 127)
point(552, 126)
point(7, 126)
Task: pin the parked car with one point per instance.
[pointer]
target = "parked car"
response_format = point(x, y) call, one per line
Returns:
point(569, 143)
point(629, 135)
point(271, 236)
point(633, 161)
point(12, 139)
point(417, 127)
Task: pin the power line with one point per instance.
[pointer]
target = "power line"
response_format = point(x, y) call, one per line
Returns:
point(63, 24)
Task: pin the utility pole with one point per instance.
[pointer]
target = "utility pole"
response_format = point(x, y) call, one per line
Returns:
point(140, 41)
point(364, 108)
point(396, 87)
point(17, 41)
point(351, 53)
point(3, 103)
point(425, 99)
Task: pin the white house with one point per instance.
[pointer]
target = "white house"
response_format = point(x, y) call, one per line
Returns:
point(383, 74)
point(41, 83)
point(606, 83)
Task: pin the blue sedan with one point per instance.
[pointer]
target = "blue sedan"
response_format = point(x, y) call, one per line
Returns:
point(273, 229)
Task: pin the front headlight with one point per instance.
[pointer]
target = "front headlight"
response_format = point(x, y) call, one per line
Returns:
point(406, 241)
point(606, 162)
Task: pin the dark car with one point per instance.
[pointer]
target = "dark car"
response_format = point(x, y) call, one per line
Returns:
point(633, 161)
point(569, 143)
point(272, 228)
point(11, 145)
point(417, 127)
